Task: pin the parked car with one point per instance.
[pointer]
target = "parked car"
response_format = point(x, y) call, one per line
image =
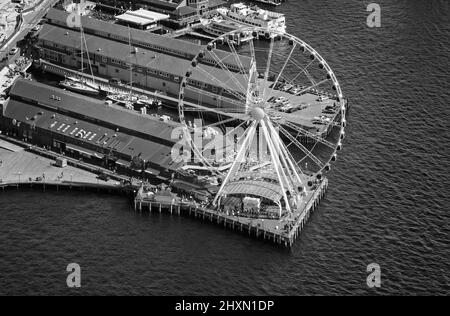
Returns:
point(103, 176)
point(322, 98)
point(14, 51)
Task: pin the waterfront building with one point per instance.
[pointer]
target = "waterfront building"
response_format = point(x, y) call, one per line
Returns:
point(89, 129)
point(141, 19)
point(158, 62)
point(182, 12)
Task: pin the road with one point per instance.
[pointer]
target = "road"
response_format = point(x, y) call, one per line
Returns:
point(30, 18)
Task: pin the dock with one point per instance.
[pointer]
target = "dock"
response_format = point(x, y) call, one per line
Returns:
point(23, 168)
point(282, 232)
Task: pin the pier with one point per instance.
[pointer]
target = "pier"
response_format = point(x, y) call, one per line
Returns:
point(34, 168)
point(281, 232)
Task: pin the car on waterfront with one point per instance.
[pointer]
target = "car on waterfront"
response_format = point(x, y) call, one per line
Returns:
point(287, 87)
point(115, 81)
point(13, 51)
point(321, 120)
point(322, 98)
point(103, 176)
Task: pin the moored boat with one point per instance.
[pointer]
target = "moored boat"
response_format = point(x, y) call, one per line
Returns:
point(255, 16)
point(218, 26)
point(79, 86)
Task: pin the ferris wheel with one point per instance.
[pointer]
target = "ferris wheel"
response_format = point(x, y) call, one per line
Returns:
point(266, 117)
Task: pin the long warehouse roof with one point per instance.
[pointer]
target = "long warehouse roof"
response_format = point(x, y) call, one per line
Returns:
point(165, 43)
point(93, 135)
point(93, 109)
point(142, 58)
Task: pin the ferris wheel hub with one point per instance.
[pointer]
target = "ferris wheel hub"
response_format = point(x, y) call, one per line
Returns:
point(257, 113)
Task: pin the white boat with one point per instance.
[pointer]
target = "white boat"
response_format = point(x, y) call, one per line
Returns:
point(270, 2)
point(130, 100)
point(218, 26)
point(254, 16)
point(87, 83)
point(79, 86)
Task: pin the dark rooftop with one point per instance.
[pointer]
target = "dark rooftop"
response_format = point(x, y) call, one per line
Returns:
point(111, 28)
point(121, 51)
point(120, 142)
point(185, 48)
point(93, 110)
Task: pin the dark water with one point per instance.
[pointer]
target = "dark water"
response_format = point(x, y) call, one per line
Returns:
point(387, 202)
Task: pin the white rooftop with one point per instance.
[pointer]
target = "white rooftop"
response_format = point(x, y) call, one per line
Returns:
point(142, 17)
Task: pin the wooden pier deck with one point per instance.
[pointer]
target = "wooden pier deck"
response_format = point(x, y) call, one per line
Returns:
point(19, 169)
point(283, 232)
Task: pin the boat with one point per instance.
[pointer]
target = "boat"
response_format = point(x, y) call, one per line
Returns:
point(132, 100)
point(254, 16)
point(92, 85)
point(79, 86)
point(218, 26)
point(270, 2)
point(128, 99)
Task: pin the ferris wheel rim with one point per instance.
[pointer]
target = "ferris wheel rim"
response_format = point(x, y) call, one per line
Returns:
point(293, 41)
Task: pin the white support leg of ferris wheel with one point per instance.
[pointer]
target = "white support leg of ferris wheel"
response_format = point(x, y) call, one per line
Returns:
point(267, 73)
point(281, 158)
point(286, 153)
point(242, 151)
point(276, 165)
point(283, 166)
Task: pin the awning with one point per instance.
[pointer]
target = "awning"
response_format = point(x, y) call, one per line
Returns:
point(262, 189)
point(152, 171)
point(123, 163)
point(99, 156)
point(80, 150)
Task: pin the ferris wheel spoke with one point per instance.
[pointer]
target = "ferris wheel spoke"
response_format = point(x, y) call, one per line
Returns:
point(223, 85)
point(228, 72)
point(289, 158)
point(280, 74)
point(275, 94)
point(238, 59)
point(276, 164)
point(233, 131)
point(305, 150)
point(197, 152)
point(228, 110)
point(313, 86)
point(229, 120)
point(234, 167)
point(240, 106)
point(304, 132)
point(290, 170)
point(269, 63)
point(252, 50)
point(210, 109)
point(240, 139)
